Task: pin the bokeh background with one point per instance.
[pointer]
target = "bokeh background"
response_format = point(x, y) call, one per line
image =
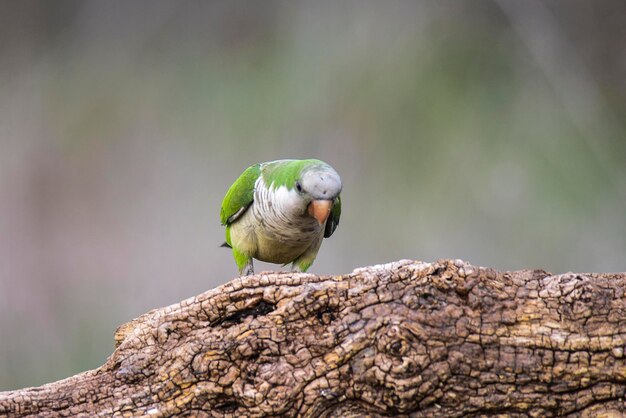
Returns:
point(492, 131)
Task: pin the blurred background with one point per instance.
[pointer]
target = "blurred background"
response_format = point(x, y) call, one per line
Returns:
point(492, 131)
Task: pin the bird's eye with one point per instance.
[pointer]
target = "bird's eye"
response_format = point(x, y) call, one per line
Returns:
point(298, 186)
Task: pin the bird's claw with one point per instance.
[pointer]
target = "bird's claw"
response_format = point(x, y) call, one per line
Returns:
point(248, 270)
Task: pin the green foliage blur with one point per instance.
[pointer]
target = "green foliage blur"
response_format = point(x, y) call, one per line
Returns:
point(492, 131)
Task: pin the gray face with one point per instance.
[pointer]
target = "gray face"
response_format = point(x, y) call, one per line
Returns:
point(321, 183)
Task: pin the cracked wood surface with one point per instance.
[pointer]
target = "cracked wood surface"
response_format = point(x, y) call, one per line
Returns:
point(401, 339)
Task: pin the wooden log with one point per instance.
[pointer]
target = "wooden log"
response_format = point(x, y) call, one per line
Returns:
point(402, 339)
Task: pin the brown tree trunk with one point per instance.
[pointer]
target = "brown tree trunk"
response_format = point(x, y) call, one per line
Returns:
point(402, 339)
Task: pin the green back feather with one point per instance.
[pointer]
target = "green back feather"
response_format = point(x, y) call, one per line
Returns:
point(286, 172)
point(240, 195)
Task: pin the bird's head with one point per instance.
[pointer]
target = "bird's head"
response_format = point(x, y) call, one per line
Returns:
point(319, 185)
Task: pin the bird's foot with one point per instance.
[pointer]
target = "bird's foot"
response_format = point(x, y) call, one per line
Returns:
point(248, 269)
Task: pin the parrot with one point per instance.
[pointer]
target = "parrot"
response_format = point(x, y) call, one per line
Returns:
point(280, 211)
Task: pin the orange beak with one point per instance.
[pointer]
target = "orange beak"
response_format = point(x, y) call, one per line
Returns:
point(320, 209)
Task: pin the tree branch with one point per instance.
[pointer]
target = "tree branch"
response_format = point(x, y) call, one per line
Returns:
point(406, 338)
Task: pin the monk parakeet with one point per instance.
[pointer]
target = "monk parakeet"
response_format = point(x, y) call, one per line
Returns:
point(280, 211)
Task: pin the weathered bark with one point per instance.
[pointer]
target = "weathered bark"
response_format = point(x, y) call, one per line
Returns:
point(402, 339)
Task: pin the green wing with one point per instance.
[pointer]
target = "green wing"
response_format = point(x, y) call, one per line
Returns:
point(240, 195)
point(333, 219)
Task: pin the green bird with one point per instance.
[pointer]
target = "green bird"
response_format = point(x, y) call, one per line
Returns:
point(279, 212)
